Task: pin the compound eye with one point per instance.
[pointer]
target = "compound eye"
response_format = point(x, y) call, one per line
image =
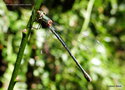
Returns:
point(44, 13)
point(38, 12)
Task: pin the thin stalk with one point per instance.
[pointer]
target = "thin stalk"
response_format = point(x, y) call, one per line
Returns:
point(84, 27)
point(25, 37)
point(87, 18)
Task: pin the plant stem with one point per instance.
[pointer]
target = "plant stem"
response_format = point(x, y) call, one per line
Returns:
point(85, 24)
point(87, 18)
point(23, 44)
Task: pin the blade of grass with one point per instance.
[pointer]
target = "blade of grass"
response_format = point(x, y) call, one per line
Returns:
point(23, 44)
point(87, 18)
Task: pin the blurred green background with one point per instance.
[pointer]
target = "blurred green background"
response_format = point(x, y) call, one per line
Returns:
point(94, 30)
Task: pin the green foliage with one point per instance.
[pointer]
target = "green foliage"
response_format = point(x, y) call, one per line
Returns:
point(46, 65)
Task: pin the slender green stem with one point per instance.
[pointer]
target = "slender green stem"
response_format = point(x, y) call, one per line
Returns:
point(87, 18)
point(23, 44)
point(88, 14)
point(86, 23)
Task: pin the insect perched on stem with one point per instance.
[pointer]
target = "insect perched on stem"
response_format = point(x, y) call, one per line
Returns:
point(42, 18)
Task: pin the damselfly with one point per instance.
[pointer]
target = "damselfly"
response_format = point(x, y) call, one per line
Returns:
point(42, 18)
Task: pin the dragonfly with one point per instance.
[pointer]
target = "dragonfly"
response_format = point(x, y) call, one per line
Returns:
point(44, 19)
